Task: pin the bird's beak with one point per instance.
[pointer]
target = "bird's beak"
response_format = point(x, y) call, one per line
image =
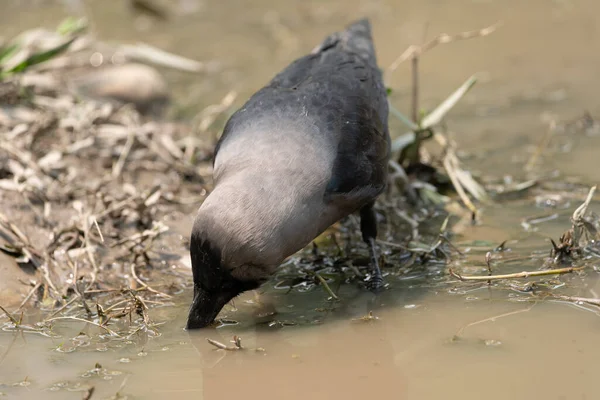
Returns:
point(205, 307)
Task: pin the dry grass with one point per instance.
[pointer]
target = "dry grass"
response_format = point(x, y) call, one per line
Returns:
point(86, 188)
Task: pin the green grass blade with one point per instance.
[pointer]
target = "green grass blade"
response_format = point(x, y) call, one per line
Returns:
point(44, 56)
point(404, 119)
point(72, 26)
point(7, 52)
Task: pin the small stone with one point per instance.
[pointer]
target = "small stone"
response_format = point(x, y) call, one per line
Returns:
point(136, 84)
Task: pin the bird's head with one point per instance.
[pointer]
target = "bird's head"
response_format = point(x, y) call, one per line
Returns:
point(215, 282)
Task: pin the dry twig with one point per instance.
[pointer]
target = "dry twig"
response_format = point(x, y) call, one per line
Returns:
point(524, 274)
point(237, 344)
point(444, 38)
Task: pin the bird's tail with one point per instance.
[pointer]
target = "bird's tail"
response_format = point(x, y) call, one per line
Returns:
point(356, 38)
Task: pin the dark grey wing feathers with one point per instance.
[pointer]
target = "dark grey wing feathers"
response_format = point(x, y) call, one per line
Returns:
point(363, 151)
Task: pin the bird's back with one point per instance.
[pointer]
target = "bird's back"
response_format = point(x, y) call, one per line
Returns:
point(332, 97)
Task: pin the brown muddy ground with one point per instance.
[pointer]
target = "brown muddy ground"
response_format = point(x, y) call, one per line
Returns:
point(541, 66)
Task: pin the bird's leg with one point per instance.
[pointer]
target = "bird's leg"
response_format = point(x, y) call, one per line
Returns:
point(368, 228)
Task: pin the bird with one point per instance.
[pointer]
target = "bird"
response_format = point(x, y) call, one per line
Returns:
point(305, 151)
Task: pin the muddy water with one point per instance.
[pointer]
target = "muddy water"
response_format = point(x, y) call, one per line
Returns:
point(542, 64)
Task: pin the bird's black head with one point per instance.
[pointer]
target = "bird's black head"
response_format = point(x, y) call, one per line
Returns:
point(214, 285)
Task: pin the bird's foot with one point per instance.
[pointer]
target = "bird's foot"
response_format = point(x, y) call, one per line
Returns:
point(376, 283)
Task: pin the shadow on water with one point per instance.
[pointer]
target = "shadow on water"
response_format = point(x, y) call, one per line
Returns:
point(541, 65)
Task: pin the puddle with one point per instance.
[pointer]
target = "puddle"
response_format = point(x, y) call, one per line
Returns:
point(540, 64)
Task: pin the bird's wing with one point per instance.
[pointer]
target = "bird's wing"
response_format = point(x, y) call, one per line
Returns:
point(338, 90)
